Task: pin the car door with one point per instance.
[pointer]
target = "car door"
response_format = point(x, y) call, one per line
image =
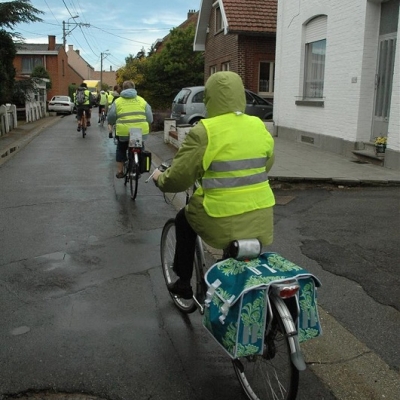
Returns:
point(257, 106)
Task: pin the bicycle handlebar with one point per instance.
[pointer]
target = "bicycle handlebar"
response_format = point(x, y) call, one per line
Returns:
point(162, 167)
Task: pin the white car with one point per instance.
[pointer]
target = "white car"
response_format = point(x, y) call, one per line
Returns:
point(61, 104)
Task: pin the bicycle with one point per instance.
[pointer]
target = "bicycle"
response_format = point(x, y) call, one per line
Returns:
point(138, 161)
point(102, 117)
point(274, 374)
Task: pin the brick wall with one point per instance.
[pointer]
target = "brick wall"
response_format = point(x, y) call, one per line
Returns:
point(243, 52)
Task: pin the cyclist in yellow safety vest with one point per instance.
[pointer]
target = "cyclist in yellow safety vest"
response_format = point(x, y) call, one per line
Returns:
point(128, 111)
point(230, 153)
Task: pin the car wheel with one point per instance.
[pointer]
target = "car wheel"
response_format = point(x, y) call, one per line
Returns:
point(195, 121)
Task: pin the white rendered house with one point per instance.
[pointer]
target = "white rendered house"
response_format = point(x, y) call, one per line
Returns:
point(337, 76)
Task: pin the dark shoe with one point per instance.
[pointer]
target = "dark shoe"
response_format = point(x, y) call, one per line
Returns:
point(88, 124)
point(110, 135)
point(181, 289)
point(120, 175)
point(78, 128)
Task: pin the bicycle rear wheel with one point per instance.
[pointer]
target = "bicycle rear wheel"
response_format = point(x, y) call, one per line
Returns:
point(167, 249)
point(271, 375)
point(134, 179)
point(83, 124)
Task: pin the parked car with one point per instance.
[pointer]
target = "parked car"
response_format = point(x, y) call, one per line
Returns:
point(188, 106)
point(61, 105)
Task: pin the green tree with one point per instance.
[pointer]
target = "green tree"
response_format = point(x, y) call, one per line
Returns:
point(12, 13)
point(174, 67)
point(41, 72)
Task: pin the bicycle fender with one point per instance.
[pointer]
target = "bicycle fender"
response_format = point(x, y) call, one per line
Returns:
point(291, 332)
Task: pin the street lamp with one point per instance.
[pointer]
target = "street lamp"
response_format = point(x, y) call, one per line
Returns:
point(101, 67)
point(66, 33)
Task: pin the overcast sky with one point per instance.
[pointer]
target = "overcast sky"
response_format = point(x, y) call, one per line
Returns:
point(117, 28)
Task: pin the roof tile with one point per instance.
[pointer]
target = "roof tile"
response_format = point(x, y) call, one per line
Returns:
point(253, 16)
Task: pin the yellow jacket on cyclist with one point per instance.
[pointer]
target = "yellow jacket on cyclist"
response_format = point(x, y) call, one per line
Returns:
point(230, 153)
point(130, 111)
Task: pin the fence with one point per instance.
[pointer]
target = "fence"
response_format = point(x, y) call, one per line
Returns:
point(8, 118)
point(9, 114)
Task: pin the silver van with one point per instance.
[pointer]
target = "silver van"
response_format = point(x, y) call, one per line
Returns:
point(188, 106)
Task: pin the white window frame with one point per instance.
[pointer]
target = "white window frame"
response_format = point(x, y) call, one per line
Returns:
point(266, 87)
point(213, 69)
point(315, 58)
point(226, 66)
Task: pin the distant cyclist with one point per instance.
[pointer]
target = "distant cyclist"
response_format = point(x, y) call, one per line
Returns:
point(103, 101)
point(83, 101)
point(128, 111)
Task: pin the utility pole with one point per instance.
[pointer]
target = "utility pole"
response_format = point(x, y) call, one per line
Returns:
point(67, 31)
point(101, 68)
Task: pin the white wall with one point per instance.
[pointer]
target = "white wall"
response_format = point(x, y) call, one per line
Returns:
point(394, 123)
point(352, 42)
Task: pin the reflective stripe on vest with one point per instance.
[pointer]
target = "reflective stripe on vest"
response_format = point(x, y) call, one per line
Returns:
point(219, 183)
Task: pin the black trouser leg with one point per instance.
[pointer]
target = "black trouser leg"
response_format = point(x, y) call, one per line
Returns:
point(185, 246)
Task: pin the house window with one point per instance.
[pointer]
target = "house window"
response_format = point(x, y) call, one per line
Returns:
point(213, 69)
point(30, 62)
point(225, 66)
point(314, 58)
point(266, 77)
point(219, 23)
point(315, 70)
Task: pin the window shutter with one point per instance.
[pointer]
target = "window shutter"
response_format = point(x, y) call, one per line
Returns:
point(316, 29)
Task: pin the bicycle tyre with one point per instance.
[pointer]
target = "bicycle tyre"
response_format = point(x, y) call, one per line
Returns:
point(83, 125)
point(167, 250)
point(134, 179)
point(271, 375)
point(126, 168)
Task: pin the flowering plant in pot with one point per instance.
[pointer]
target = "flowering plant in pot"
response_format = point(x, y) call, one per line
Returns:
point(380, 144)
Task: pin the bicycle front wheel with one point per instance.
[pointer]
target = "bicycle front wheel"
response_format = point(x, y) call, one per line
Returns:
point(272, 375)
point(134, 179)
point(167, 248)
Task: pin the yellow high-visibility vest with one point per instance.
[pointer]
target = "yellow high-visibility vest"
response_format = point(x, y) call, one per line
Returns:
point(235, 179)
point(131, 113)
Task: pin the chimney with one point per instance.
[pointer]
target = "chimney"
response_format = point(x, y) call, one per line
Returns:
point(71, 48)
point(77, 52)
point(52, 42)
point(110, 68)
point(190, 13)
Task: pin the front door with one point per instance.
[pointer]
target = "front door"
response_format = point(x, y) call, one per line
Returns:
point(383, 84)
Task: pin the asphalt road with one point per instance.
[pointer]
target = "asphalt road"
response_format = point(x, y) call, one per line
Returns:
point(85, 311)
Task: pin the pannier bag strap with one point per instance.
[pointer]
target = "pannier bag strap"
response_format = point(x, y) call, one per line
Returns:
point(225, 308)
point(210, 292)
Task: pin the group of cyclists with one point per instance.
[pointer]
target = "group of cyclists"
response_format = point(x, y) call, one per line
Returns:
point(85, 100)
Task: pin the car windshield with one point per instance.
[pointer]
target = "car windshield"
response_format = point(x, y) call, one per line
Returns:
point(182, 96)
point(60, 98)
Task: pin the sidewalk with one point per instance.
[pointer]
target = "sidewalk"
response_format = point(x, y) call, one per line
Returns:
point(296, 162)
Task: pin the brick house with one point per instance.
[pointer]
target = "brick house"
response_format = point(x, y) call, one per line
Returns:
point(239, 35)
point(53, 58)
point(338, 76)
point(77, 62)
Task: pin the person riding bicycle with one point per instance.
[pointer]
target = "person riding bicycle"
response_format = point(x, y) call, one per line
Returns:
point(83, 101)
point(128, 111)
point(103, 102)
point(230, 154)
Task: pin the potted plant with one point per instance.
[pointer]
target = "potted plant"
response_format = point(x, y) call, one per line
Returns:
point(380, 144)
